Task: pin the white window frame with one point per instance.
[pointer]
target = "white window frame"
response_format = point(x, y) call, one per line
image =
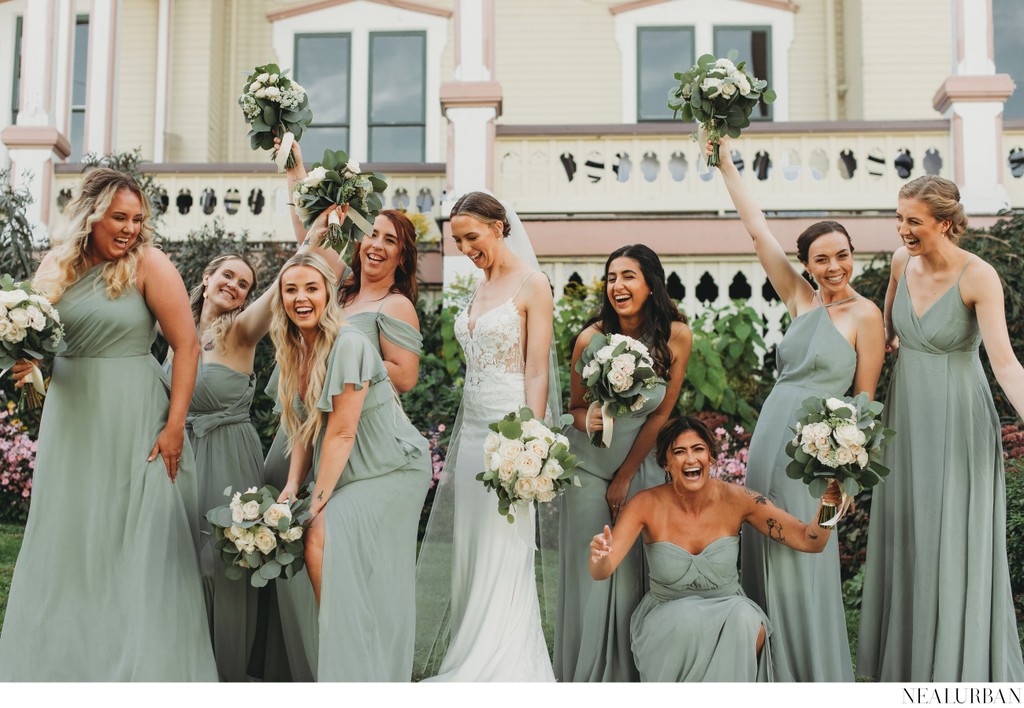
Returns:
point(704, 17)
point(359, 19)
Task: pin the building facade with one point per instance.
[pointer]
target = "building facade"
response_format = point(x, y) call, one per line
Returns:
point(556, 106)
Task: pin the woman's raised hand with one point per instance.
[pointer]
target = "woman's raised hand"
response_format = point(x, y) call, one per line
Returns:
point(297, 171)
point(601, 545)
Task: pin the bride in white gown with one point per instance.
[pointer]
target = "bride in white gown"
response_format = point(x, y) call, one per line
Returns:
point(491, 628)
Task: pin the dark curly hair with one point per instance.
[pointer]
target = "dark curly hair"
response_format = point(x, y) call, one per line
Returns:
point(676, 427)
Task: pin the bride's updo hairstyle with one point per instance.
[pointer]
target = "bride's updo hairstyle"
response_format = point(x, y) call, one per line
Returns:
point(484, 208)
point(942, 199)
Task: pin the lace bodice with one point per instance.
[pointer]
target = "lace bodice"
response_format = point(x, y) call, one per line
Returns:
point(494, 357)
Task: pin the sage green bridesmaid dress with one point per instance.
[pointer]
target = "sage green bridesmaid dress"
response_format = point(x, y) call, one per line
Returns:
point(106, 586)
point(937, 604)
point(295, 602)
point(696, 624)
point(228, 454)
point(367, 620)
point(801, 592)
point(592, 620)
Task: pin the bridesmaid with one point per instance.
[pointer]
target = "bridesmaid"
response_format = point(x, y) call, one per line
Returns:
point(835, 340)
point(937, 601)
point(696, 624)
point(106, 587)
point(371, 469)
point(592, 625)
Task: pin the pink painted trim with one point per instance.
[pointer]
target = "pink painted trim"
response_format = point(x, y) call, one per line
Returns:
point(324, 4)
point(488, 36)
point(462, 94)
point(959, 19)
point(638, 4)
point(958, 148)
point(108, 136)
point(46, 192)
point(456, 25)
point(991, 39)
point(430, 268)
point(36, 137)
point(955, 89)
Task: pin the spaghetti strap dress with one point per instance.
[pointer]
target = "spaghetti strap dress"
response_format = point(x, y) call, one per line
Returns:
point(106, 586)
point(937, 603)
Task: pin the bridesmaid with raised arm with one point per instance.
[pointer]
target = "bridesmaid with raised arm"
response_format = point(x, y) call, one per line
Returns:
point(592, 623)
point(371, 469)
point(835, 340)
point(937, 602)
point(106, 587)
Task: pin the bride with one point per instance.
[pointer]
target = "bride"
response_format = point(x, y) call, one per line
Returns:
point(493, 618)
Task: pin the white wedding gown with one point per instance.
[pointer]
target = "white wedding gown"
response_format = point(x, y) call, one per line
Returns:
point(495, 614)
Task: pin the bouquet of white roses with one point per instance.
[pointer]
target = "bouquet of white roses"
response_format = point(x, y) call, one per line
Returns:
point(720, 96)
point(617, 371)
point(338, 180)
point(841, 439)
point(254, 532)
point(526, 461)
point(30, 328)
point(274, 104)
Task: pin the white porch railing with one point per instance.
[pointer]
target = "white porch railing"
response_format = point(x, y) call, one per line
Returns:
point(252, 198)
point(1013, 163)
point(656, 168)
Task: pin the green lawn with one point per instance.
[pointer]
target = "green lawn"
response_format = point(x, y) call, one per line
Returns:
point(10, 542)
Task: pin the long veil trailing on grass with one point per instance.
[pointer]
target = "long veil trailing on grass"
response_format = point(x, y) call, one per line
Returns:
point(434, 565)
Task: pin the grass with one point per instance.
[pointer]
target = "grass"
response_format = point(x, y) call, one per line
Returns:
point(10, 543)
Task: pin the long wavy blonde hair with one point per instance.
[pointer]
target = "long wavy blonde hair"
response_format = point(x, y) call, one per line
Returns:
point(69, 257)
point(292, 350)
point(222, 325)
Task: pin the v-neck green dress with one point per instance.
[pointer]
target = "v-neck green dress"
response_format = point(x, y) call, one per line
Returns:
point(800, 592)
point(937, 604)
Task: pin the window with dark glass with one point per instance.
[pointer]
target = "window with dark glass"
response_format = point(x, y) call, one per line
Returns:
point(397, 101)
point(17, 70)
point(323, 67)
point(661, 53)
point(79, 74)
point(754, 45)
point(1008, 28)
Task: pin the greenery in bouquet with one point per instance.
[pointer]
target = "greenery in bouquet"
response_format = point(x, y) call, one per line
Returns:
point(256, 533)
point(618, 371)
point(526, 461)
point(841, 439)
point(30, 328)
point(720, 95)
point(337, 180)
point(273, 105)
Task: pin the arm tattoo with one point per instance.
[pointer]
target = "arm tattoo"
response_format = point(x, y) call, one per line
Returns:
point(811, 535)
point(774, 530)
point(320, 496)
point(756, 496)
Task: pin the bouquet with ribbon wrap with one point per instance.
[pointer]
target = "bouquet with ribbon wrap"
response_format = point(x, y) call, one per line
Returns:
point(30, 328)
point(617, 371)
point(273, 105)
point(840, 439)
point(337, 180)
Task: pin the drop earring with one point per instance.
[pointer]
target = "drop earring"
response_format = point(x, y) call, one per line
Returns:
point(668, 476)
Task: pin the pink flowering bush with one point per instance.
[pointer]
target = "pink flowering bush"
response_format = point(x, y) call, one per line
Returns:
point(731, 463)
point(438, 451)
point(17, 461)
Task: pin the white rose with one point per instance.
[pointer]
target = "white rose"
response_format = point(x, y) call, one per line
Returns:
point(711, 86)
point(625, 363)
point(494, 461)
point(728, 89)
point(9, 298)
point(538, 447)
point(638, 403)
point(742, 84)
point(823, 444)
point(245, 542)
point(237, 515)
point(292, 534)
point(862, 458)
point(810, 448)
point(265, 540)
point(844, 456)
point(511, 449)
point(528, 464)
point(535, 429)
point(251, 510)
point(525, 488)
point(492, 442)
point(263, 78)
point(822, 430)
point(507, 471)
point(834, 404)
point(260, 93)
point(847, 435)
point(352, 166)
point(272, 79)
point(545, 497)
point(272, 92)
point(255, 86)
point(543, 484)
point(808, 434)
point(315, 177)
point(726, 64)
point(552, 469)
point(7, 331)
point(275, 513)
point(827, 458)
point(604, 354)
point(619, 380)
point(590, 369)
point(561, 440)
point(20, 318)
